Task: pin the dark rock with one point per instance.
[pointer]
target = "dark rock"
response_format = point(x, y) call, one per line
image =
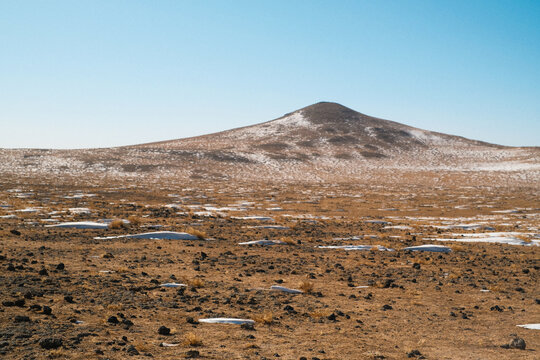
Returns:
point(387, 307)
point(113, 320)
point(416, 266)
point(413, 353)
point(517, 343)
point(247, 326)
point(191, 354)
point(60, 266)
point(163, 330)
point(191, 320)
point(69, 299)
point(21, 318)
point(131, 350)
point(15, 232)
point(43, 272)
point(50, 343)
point(47, 310)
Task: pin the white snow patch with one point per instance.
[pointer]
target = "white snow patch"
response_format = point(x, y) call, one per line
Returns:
point(287, 290)
point(430, 248)
point(172, 285)
point(356, 247)
point(530, 326)
point(80, 225)
point(263, 242)
point(227, 321)
point(156, 235)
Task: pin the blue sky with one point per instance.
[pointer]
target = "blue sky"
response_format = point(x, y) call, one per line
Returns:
point(77, 74)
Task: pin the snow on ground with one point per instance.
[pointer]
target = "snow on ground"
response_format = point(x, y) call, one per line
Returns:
point(429, 248)
point(259, 218)
point(287, 290)
point(80, 225)
point(530, 326)
point(356, 247)
point(227, 321)
point(509, 238)
point(156, 235)
point(263, 242)
point(172, 285)
point(79, 210)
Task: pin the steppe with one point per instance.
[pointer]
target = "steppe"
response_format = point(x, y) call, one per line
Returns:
point(89, 291)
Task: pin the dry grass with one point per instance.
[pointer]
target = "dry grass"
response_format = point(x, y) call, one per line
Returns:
point(287, 240)
point(192, 339)
point(306, 286)
point(457, 247)
point(117, 224)
point(198, 233)
point(134, 220)
point(196, 283)
point(142, 347)
point(266, 318)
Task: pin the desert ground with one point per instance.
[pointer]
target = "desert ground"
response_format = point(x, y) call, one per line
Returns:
point(77, 292)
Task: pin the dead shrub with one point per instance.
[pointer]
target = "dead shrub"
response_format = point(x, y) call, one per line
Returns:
point(117, 224)
point(192, 339)
point(266, 318)
point(201, 235)
point(306, 286)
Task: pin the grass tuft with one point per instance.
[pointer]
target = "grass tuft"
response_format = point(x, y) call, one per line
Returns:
point(198, 233)
point(266, 318)
point(117, 224)
point(306, 286)
point(192, 339)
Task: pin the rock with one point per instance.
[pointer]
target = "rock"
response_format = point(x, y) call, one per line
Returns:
point(131, 350)
point(15, 232)
point(191, 320)
point(416, 266)
point(69, 299)
point(19, 302)
point(50, 343)
point(515, 343)
point(247, 326)
point(21, 319)
point(43, 272)
point(191, 354)
point(60, 266)
point(113, 320)
point(387, 307)
point(413, 353)
point(47, 310)
point(163, 330)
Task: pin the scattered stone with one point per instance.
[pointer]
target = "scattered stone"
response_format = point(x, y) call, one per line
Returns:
point(387, 307)
point(21, 319)
point(414, 353)
point(15, 232)
point(515, 343)
point(113, 320)
point(50, 343)
point(69, 299)
point(131, 350)
point(192, 354)
point(60, 266)
point(163, 330)
point(43, 272)
point(47, 310)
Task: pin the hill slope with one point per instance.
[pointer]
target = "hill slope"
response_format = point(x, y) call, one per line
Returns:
point(324, 141)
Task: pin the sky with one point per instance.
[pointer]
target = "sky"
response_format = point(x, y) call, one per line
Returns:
point(99, 73)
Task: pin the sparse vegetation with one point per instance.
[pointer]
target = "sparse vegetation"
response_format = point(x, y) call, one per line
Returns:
point(306, 286)
point(265, 318)
point(201, 235)
point(117, 224)
point(192, 339)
